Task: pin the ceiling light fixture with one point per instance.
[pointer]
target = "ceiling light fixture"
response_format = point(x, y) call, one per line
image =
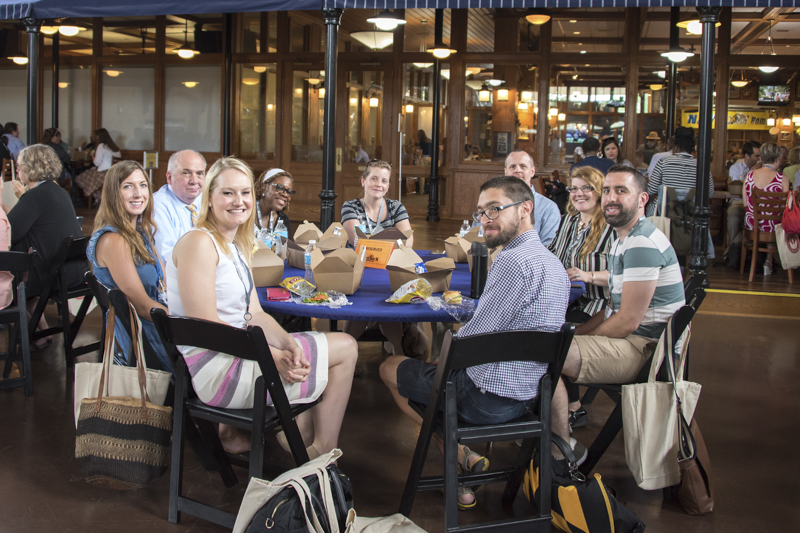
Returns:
point(113, 73)
point(694, 26)
point(63, 84)
point(656, 87)
point(441, 51)
point(49, 30)
point(19, 60)
point(386, 20)
point(68, 31)
point(353, 101)
point(537, 17)
point(260, 68)
point(373, 102)
point(250, 81)
point(376, 40)
point(409, 108)
point(677, 54)
point(768, 69)
point(423, 65)
point(186, 51)
point(740, 83)
point(190, 84)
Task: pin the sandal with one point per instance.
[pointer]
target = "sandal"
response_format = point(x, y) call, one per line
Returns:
point(464, 491)
point(234, 436)
point(481, 464)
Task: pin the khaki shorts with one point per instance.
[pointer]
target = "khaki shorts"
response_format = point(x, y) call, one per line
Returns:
point(607, 360)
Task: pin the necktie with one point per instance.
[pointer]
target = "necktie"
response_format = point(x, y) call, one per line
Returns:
point(193, 210)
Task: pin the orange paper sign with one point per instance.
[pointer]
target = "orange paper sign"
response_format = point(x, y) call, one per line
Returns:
point(378, 252)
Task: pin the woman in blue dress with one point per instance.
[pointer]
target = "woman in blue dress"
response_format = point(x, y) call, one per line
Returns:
point(121, 251)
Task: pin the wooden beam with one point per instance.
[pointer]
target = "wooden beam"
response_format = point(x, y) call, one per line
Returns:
point(719, 142)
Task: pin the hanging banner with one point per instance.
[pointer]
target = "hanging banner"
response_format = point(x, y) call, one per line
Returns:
point(737, 120)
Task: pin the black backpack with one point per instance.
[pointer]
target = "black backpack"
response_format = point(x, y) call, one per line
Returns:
point(681, 221)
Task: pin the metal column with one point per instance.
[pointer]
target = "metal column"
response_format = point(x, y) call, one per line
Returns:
point(332, 19)
point(32, 27)
point(698, 262)
point(672, 86)
point(433, 181)
point(54, 121)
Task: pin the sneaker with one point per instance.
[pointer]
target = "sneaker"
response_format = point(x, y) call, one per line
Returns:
point(579, 451)
point(578, 419)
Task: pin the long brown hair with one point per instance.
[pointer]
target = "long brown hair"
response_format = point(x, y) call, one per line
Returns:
point(105, 138)
point(594, 178)
point(112, 212)
point(245, 237)
point(47, 136)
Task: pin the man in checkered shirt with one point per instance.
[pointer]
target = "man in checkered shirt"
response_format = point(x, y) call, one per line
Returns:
point(526, 288)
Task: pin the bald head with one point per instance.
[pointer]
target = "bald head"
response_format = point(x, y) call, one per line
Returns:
point(520, 165)
point(186, 172)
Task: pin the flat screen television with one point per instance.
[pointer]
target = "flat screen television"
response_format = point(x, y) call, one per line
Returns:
point(773, 95)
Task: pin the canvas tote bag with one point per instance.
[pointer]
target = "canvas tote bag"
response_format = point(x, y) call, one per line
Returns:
point(649, 422)
point(662, 222)
point(788, 248)
point(123, 380)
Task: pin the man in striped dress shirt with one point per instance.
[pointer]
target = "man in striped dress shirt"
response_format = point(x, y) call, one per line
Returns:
point(646, 290)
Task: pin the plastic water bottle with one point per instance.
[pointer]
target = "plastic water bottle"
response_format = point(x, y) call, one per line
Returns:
point(465, 227)
point(265, 236)
point(280, 230)
point(309, 272)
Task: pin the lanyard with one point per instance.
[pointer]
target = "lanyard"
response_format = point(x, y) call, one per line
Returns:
point(260, 222)
point(247, 291)
point(377, 226)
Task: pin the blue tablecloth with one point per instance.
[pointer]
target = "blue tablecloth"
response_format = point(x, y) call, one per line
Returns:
point(369, 301)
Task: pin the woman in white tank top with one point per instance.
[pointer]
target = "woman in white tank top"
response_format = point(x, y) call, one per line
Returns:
point(208, 277)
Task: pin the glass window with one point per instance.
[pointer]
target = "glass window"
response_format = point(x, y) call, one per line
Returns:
point(257, 111)
point(192, 110)
point(308, 98)
point(365, 116)
point(14, 104)
point(251, 39)
point(70, 46)
point(128, 106)
point(128, 36)
point(501, 106)
point(74, 104)
point(584, 101)
point(418, 30)
point(418, 113)
point(307, 32)
point(602, 33)
point(480, 30)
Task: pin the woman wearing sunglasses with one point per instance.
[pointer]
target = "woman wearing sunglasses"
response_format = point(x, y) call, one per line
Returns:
point(582, 244)
point(274, 192)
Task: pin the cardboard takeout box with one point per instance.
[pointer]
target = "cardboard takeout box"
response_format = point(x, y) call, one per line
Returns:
point(267, 267)
point(401, 270)
point(334, 237)
point(389, 234)
point(339, 270)
point(307, 231)
point(492, 255)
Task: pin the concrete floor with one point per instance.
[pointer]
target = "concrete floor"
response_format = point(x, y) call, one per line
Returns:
point(748, 411)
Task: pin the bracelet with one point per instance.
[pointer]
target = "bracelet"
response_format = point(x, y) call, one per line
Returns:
point(593, 277)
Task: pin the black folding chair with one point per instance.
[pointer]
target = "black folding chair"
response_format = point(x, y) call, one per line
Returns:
point(71, 255)
point(100, 293)
point(16, 316)
point(247, 344)
point(458, 353)
point(681, 320)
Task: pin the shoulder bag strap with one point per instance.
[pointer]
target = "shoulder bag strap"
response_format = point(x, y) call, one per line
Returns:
point(108, 358)
point(664, 201)
point(686, 443)
point(136, 346)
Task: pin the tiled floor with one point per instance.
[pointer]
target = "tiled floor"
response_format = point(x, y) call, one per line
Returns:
point(749, 369)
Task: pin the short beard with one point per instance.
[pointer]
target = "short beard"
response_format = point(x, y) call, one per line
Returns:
point(504, 236)
point(622, 219)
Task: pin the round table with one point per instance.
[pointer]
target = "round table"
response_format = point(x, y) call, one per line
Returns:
point(369, 300)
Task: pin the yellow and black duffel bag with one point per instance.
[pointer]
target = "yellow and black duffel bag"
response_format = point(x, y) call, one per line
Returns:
point(580, 505)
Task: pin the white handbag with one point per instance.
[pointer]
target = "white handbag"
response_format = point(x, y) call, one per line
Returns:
point(649, 420)
point(122, 380)
point(788, 248)
point(395, 523)
point(662, 222)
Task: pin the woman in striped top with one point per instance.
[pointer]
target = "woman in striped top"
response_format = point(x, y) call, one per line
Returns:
point(583, 241)
point(209, 277)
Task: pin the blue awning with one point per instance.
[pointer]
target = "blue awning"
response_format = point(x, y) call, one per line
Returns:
point(50, 9)
point(559, 4)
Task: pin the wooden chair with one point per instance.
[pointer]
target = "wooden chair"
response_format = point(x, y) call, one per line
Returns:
point(613, 425)
point(247, 344)
point(16, 316)
point(71, 255)
point(766, 206)
point(459, 353)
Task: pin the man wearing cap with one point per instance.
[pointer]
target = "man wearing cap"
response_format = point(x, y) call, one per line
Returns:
point(650, 146)
point(177, 204)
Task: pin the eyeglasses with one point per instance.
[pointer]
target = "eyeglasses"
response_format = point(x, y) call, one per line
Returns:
point(282, 189)
point(491, 212)
point(585, 188)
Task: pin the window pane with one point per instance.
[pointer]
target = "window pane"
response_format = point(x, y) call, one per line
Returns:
point(250, 33)
point(501, 106)
point(364, 126)
point(192, 108)
point(419, 35)
point(257, 111)
point(418, 113)
point(127, 36)
point(480, 30)
point(603, 33)
point(14, 104)
point(74, 104)
point(127, 111)
point(307, 32)
point(307, 115)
